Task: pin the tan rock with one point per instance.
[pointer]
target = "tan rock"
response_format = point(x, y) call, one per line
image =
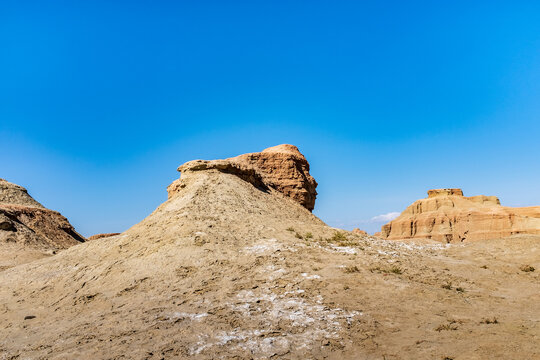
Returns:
point(448, 216)
point(13, 194)
point(28, 230)
point(359, 232)
point(281, 167)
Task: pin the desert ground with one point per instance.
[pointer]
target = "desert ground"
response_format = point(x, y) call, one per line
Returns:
point(226, 270)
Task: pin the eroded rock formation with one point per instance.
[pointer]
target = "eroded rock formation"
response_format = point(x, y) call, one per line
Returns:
point(448, 216)
point(26, 225)
point(281, 167)
point(102, 236)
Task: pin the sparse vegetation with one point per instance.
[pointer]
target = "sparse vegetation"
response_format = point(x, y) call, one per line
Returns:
point(447, 286)
point(527, 268)
point(489, 321)
point(450, 325)
point(392, 270)
point(339, 239)
point(351, 269)
point(298, 236)
point(308, 236)
point(290, 228)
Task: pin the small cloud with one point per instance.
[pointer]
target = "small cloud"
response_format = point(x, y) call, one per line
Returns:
point(385, 217)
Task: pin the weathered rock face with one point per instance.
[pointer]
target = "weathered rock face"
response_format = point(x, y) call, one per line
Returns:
point(36, 227)
point(101, 236)
point(281, 167)
point(26, 226)
point(448, 216)
point(13, 194)
point(359, 232)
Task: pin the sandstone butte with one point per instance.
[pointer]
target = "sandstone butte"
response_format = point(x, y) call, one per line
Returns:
point(448, 216)
point(28, 230)
point(281, 167)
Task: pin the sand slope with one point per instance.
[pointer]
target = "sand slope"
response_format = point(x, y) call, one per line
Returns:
point(226, 270)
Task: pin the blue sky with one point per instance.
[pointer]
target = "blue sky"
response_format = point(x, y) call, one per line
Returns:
point(100, 101)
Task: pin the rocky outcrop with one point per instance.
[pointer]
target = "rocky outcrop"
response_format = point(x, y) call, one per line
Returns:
point(281, 167)
point(27, 226)
point(101, 236)
point(359, 232)
point(12, 194)
point(448, 216)
point(36, 227)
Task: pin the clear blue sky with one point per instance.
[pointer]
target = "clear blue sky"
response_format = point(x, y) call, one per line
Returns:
point(100, 101)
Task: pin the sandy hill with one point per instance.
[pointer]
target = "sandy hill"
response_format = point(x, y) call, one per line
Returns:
point(229, 267)
point(448, 216)
point(28, 230)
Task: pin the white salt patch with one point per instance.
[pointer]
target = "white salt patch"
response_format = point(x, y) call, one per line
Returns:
point(310, 277)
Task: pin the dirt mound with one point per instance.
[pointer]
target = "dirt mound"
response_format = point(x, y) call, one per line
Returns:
point(448, 216)
point(29, 231)
point(225, 269)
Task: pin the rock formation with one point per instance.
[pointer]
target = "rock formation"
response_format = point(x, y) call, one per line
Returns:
point(281, 167)
point(101, 236)
point(448, 216)
point(27, 227)
point(359, 232)
point(228, 270)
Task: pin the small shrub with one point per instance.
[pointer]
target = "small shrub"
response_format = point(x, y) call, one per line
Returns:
point(527, 268)
point(298, 236)
point(447, 286)
point(460, 289)
point(351, 269)
point(308, 236)
point(338, 236)
point(446, 327)
point(291, 229)
point(451, 325)
point(392, 270)
point(489, 321)
point(483, 266)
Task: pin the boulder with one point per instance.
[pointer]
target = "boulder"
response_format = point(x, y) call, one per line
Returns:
point(448, 216)
point(281, 167)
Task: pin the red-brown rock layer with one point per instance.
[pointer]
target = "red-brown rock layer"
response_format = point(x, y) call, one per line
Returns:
point(281, 167)
point(101, 236)
point(39, 228)
point(25, 222)
point(448, 216)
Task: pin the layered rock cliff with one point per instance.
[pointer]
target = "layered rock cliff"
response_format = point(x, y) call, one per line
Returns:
point(281, 167)
point(28, 230)
point(448, 216)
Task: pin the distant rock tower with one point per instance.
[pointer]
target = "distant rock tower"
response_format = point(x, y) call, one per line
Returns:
point(448, 216)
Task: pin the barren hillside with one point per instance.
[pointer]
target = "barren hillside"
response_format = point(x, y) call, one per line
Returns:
point(225, 269)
